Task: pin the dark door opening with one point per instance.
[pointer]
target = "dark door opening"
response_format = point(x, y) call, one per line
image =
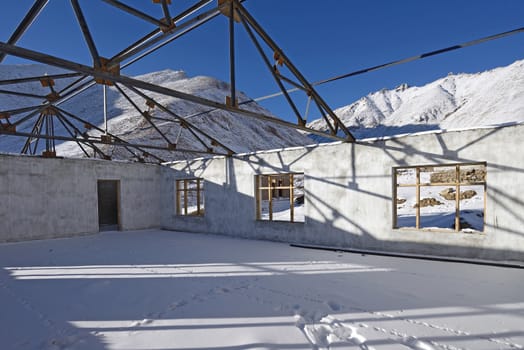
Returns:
point(108, 205)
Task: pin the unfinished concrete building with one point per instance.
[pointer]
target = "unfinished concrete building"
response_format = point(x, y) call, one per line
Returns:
point(370, 195)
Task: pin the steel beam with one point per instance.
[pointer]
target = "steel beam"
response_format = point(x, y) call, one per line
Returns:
point(58, 62)
point(22, 94)
point(39, 78)
point(20, 110)
point(143, 114)
point(31, 15)
point(36, 130)
point(135, 12)
point(85, 137)
point(167, 15)
point(115, 143)
point(141, 44)
point(232, 54)
point(87, 34)
point(272, 71)
point(29, 116)
point(83, 121)
point(178, 30)
point(182, 121)
point(260, 31)
point(63, 121)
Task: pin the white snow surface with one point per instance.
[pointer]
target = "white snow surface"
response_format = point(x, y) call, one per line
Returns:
point(493, 97)
point(172, 290)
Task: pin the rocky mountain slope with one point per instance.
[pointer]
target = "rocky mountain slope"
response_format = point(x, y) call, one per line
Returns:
point(242, 134)
point(493, 97)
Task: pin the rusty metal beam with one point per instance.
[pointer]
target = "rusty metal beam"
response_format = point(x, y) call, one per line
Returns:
point(31, 15)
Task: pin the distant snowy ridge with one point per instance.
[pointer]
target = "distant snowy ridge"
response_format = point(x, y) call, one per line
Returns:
point(457, 101)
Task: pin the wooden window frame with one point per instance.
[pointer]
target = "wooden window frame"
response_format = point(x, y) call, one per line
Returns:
point(270, 188)
point(457, 184)
point(182, 190)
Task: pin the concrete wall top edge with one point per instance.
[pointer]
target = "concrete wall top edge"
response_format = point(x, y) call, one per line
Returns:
point(368, 141)
point(75, 160)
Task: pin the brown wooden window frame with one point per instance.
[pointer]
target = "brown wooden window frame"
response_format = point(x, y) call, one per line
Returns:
point(456, 184)
point(270, 188)
point(183, 190)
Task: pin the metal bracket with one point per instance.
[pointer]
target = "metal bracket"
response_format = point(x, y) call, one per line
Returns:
point(229, 102)
point(167, 26)
point(51, 110)
point(53, 96)
point(150, 104)
point(279, 59)
point(8, 127)
point(224, 6)
point(113, 69)
point(47, 82)
point(106, 138)
point(48, 154)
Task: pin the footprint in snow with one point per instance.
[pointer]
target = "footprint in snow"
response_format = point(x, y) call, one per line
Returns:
point(416, 344)
point(177, 304)
point(333, 306)
point(142, 322)
point(328, 330)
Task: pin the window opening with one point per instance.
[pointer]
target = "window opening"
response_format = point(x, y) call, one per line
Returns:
point(451, 196)
point(280, 197)
point(190, 197)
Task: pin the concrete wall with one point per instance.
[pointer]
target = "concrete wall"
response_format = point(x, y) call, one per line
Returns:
point(349, 193)
point(43, 198)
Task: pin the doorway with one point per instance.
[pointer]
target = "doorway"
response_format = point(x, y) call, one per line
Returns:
point(108, 205)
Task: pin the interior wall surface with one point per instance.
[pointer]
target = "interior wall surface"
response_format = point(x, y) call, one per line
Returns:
point(349, 191)
point(51, 197)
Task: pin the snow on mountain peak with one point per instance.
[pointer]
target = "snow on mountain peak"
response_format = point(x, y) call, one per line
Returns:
point(493, 97)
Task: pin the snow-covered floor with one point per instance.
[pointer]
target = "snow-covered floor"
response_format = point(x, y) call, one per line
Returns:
point(167, 290)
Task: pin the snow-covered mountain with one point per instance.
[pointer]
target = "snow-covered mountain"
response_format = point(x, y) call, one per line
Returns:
point(493, 97)
point(457, 101)
point(242, 134)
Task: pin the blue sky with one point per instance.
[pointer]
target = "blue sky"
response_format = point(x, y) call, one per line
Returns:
point(323, 38)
